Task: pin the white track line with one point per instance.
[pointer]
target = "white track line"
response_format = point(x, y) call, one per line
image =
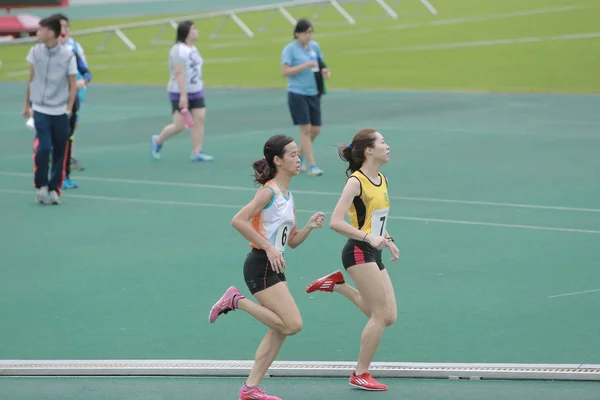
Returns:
point(574, 293)
point(231, 206)
point(311, 192)
point(246, 43)
point(508, 15)
point(477, 43)
point(496, 204)
point(133, 200)
point(489, 17)
point(128, 146)
point(532, 227)
point(17, 73)
point(452, 21)
point(116, 66)
point(335, 369)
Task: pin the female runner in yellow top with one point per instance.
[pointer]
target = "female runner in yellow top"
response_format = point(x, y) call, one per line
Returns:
point(365, 199)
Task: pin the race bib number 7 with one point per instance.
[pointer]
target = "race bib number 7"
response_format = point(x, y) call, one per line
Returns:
point(379, 221)
point(282, 236)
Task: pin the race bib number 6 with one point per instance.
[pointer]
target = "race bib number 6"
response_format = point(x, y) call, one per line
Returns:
point(282, 236)
point(379, 221)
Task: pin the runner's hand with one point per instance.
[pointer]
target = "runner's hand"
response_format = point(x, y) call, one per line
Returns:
point(316, 221)
point(394, 250)
point(183, 102)
point(276, 259)
point(310, 65)
point(377, 241)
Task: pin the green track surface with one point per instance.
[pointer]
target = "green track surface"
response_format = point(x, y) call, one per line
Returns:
point(418, 51)
point(288, 389)
point(134, 259)
point(494, 201)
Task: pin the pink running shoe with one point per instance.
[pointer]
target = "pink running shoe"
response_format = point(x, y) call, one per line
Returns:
point(255, 394)
point(229, 302)
point(326, 283)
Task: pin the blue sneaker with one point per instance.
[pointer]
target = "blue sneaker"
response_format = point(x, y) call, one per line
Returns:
point(155, 147)
point(201, 157)
point(314, 170)
point(69, 184)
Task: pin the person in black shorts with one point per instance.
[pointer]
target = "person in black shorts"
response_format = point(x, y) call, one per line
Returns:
point(303, 65)
point(273, 228)
point(186, 94)
point(365, 199)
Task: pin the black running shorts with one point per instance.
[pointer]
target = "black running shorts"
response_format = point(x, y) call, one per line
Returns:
point(357, 252)
point(258, 272)
point(192, 104)
point(305, 110)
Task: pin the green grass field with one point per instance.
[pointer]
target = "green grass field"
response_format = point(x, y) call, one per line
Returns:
point(471, 45)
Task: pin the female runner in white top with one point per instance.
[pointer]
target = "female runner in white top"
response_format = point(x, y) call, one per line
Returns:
point(273, 228)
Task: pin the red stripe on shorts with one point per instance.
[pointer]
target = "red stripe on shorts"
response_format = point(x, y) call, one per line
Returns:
point(359, 255)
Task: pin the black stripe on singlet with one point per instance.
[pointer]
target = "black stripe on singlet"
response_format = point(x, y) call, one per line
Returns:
point(361, 211)
point(359, 206)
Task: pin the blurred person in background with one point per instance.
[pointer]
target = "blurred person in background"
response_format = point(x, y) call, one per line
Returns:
point(303, 65)
point(84, 76)
point(186, 93)
point(50, 93)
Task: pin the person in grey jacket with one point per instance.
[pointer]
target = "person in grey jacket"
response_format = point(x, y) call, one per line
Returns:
point(51, 92)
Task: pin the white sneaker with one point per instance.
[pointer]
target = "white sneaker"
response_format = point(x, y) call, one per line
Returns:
point(54, 197)
point(41, 197)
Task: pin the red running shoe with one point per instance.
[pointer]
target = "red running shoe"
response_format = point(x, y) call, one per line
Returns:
point(366, 382)
point(326, 283)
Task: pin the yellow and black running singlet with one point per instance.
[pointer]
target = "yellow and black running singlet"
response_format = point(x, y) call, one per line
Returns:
point(370, 210)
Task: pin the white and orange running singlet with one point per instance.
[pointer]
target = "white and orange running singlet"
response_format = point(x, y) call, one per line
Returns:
point(276, 220)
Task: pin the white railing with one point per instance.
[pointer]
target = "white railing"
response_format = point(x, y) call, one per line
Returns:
point(232, 15)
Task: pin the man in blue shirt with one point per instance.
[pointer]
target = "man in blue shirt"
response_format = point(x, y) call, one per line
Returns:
point(302, 64)
point(84, 76)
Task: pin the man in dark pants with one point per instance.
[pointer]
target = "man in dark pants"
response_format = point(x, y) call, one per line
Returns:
point(87, 77)
point(51, 89)
point(68, 183)
point(83, 79)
